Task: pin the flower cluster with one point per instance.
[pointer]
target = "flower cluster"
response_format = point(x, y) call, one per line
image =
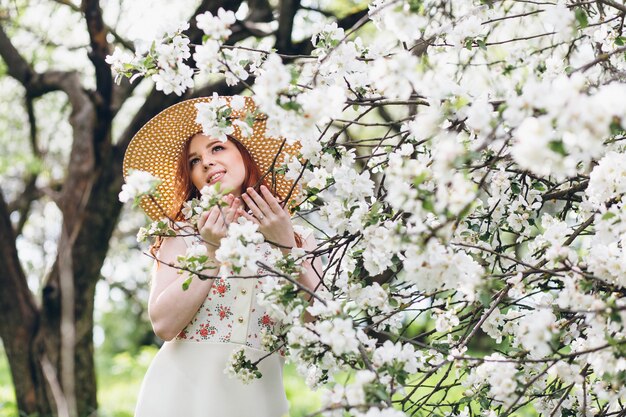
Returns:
point(138, 183)
point(163, 60)
point(242, 368)
point(196, 262)
point(216, 120)
point(210, 196)
point(237, 249)
point(464, 165)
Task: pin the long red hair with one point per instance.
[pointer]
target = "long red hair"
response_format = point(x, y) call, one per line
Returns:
point(185, 190)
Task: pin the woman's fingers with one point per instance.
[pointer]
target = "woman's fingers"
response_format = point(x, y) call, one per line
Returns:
point(271, 200)
point(250, 217)
point(232, 211)
point(202, 219)
point(253, 204)
point(214, 214)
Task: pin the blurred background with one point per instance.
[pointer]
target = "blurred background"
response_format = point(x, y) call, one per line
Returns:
point(63, 129)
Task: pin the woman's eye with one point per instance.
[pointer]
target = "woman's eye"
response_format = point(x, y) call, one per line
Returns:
point(218, 147)
point(193, 161)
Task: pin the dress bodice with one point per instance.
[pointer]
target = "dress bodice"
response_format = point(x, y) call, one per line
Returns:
point(231, 312)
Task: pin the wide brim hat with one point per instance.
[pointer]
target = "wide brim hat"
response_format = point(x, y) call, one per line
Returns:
point(158, 145)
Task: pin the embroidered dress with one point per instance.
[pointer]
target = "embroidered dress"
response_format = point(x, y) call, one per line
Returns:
point(186, 377)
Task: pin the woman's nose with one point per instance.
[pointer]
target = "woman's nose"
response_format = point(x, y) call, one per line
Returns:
point(206, 162)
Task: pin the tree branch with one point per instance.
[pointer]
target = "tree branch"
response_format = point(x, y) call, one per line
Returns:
point(287, 11)
point(615, 5)
point(17, 305)
point(118, 38)
point(35, 84)
point(17, 66)
point(99, 51)
point(260, 11)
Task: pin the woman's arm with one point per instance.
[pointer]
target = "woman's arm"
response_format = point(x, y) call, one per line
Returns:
point(170, 307)
point(310, 277)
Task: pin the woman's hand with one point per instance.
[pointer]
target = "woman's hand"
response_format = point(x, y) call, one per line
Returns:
point(273, 220)
point(213, 224)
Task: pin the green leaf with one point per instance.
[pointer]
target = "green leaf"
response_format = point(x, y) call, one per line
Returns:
point(482, 44)
point(620, 40)
point(485, 298)
point(581, 18)
point(418, 179)
point(608, 215)
point(460, 102)
point(415, 6)
point(537, 185)
point(186, 283)
point(557, 146)
point(428, 205)
point(616, 127)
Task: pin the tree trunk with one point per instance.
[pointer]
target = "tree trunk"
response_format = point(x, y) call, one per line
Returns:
point(20, 326)
point(32, 334)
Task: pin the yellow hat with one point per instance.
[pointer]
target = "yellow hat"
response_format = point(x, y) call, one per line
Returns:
point(157, 147)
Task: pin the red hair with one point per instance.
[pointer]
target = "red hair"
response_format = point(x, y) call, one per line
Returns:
point(185, 190)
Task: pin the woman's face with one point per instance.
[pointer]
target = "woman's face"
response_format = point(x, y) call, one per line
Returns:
point(211, 161)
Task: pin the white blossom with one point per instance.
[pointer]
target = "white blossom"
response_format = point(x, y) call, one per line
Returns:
point(138, 183)
point(339, 334)
point(216, 27)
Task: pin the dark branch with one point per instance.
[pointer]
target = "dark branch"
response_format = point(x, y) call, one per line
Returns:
point(287, 11)
point(99, 51)
point(614, 4)
point(260, 11)
point(35, 84)
point(118, 38)
point(17, 66)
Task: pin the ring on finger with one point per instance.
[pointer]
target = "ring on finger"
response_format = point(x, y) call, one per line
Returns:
point(261, 217)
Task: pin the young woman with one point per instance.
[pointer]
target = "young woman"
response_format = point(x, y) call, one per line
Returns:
point(203, 325)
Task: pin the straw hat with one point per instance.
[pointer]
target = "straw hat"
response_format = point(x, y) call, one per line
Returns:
point(157, 147)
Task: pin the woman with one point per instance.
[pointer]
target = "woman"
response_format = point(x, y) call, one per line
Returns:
point(203, 325)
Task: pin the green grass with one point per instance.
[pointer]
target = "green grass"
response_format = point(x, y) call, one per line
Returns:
point(119, 378)
point(8, 408)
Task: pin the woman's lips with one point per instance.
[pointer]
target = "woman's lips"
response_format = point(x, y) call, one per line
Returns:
point(213, 178)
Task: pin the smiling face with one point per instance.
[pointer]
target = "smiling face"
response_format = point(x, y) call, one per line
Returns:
point(211, 161)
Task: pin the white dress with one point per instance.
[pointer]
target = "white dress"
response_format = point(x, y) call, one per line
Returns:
point(186, 377)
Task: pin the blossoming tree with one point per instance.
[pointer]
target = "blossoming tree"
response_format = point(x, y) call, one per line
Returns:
point(465, 163)
point(65, 126)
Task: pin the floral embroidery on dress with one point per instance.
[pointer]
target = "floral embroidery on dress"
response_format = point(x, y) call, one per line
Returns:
point(266, 321)
point(225, 314)
point(220, 287)
point(223, 311)
point(206, 330)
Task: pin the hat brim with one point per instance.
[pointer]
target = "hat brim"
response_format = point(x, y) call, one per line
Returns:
point(158, 145)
